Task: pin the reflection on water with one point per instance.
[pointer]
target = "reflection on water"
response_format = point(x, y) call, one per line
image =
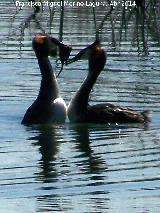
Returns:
point(80, 167)
point(92, 163)
point(48, 148)
point(95, 167)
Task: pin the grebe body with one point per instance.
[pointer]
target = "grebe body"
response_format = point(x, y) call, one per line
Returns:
point(79, 109)
point(49, 106)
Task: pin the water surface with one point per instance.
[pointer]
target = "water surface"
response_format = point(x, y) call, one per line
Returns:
point(79, 167)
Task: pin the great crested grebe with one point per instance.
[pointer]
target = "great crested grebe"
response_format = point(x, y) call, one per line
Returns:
point(80, 111)
point(48, 106)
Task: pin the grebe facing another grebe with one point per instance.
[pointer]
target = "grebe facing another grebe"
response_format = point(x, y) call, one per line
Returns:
point(80, 111)
point(49, 106)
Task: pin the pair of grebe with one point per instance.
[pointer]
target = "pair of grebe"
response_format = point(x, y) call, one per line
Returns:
point(50, 107)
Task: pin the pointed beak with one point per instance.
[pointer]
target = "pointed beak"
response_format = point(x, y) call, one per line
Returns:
point(84, 53)
point(79, 56)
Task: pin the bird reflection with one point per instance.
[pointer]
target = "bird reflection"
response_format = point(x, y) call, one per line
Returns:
point(47, 173)
point(48, 148)
point(92, 162)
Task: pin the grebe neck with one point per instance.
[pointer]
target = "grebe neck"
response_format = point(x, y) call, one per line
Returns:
point(49, 86)
point(82, 95)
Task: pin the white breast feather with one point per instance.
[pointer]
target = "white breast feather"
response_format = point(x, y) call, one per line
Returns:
point(59, 109)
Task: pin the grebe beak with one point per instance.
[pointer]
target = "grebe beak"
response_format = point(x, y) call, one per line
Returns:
point(84, 53)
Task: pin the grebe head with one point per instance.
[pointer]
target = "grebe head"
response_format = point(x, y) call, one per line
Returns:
point(45, 45)
point(97, 59)
point(94, 54)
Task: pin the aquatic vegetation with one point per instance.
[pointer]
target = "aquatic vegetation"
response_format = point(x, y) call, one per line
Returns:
point(45, 15)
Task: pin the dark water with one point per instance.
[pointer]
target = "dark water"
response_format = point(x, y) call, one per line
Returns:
point(76, 167)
